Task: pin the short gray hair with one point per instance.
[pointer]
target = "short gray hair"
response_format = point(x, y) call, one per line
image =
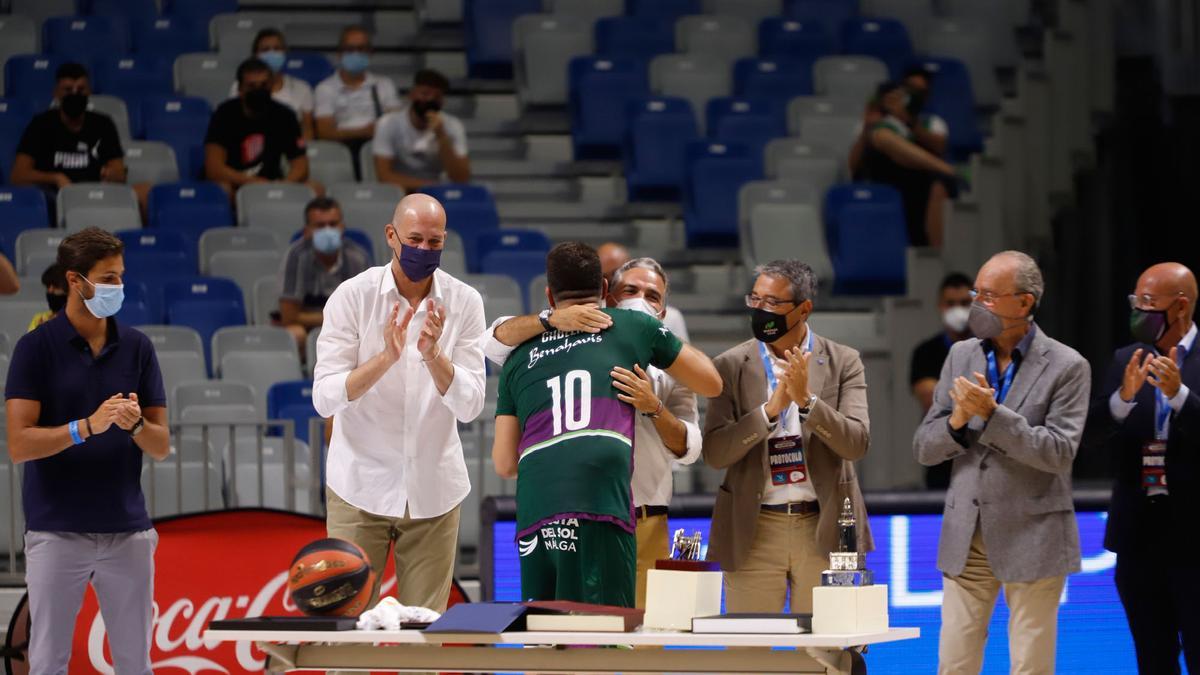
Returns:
point(801, 277)
point(645, 264)
point(1028, 276)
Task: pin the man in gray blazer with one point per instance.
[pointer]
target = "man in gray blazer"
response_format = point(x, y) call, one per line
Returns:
point(1009, 410)
point(788, 439)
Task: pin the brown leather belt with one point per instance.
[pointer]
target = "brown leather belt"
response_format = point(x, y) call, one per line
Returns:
point(648, 511)
point(794, 508)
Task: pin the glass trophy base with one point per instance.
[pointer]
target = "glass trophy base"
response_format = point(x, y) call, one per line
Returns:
point(847, 578)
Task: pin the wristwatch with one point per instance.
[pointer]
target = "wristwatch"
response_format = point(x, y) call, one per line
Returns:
point(137, 427)
point(544, 317)
point(808, 405)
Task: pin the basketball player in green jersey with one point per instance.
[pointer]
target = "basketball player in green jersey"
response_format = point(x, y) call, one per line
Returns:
point(568, 440)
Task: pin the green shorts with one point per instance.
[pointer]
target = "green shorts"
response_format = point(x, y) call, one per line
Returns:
point(579, 560)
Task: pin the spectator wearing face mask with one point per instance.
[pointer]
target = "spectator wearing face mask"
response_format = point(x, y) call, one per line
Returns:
point(421, 145)
point(249, 136)
point(349, 102)
point(954, 303)
point(270, 48)
point(55, 281)
point(315, 265)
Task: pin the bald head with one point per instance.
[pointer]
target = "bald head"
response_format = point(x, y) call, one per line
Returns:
point(612, 256)
point(418, 222)
point(1168, 279)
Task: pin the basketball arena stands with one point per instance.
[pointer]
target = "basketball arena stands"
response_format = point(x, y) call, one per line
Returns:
point(709, 134)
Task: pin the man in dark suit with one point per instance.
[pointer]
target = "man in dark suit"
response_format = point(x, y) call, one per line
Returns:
point(1147, 415)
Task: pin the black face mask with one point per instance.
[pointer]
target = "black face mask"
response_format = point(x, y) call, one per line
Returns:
point(74, 105)
point(916, 102)
point(56, 301)
point(257, 100)
point(422, 107)
point(769, 326)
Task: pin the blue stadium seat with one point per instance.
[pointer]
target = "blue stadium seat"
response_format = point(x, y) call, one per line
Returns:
point(600, 90)
point(138, 309)
point(181, 122)
point(292, 400)
point(198, 12)
point(488, 25)
point(189, 209)
point(521, 266)
point(830, 14)
point(630, 37)
point(21, 208)
point(14, 117)
point(31, 77)
point(662, 10)
point(884, 39)
point(470, 211)
point(513, 240)
point(715, 174)
point(85, 37)
point(952, 98)
point(839, 196)
point(155, 255)
point(204, 304)
point(130, 10)
point(777, 80)
point(745, 121)
point(167, 37)
point(357, 236)
point(788, 38)
point(869, 243)
point(659, 130)
point(311, 67)
point(132, 77)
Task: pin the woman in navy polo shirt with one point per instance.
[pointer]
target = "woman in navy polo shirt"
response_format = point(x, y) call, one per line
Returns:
point(85, 401)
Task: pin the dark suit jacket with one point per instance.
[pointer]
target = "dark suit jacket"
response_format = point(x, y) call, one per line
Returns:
point(1126, 514)
point(836, 433)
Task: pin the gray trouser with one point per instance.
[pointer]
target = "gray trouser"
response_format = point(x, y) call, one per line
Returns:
point(58, 566)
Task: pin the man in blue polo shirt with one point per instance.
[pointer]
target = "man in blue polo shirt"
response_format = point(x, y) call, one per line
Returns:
point(85, 401)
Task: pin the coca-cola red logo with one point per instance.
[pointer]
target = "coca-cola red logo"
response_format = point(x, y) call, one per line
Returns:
point(228, 564)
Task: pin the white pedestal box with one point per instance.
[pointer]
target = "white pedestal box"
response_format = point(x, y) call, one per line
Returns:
point(675, 597)
point(850, 609)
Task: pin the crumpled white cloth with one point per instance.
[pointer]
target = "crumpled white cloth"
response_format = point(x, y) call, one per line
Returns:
point(389, 614)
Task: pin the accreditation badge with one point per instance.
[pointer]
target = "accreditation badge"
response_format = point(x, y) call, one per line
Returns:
point(786, 457)
point(1154, 464)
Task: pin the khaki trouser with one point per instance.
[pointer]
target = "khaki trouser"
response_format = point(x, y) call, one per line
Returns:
point(651, 546)
point(784, 555)
point(424, 549)
point(967, 606)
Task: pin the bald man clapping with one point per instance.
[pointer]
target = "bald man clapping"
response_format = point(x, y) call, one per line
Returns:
point(399, 364)
point(1147, 418)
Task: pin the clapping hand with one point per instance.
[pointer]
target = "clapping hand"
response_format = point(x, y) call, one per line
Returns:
point(128, 414)
point(1164, 373)
point(395, 332)
point(795, 377)
point(431, 332)
point(971, 399)
point(1135, 374)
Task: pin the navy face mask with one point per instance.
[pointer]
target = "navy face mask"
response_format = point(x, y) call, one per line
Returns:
point(418, 263)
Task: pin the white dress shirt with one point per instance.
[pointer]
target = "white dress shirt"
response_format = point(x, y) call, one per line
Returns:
point(789, 424)
point(396, 447)
point(354, 107)
point(674, 321)
point(416, 151)
point(652, 461)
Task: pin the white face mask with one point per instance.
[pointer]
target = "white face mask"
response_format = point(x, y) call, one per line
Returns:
point(955, 318)
point(638, 305)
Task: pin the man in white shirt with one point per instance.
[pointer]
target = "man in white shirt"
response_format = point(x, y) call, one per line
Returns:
point(666, 432)
point(612, 256)
point(421, 145)
point(399, 363)
point(349, 102)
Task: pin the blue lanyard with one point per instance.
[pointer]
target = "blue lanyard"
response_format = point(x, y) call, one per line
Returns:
point(772, 382)
point(993, 373)
point(1162, 410)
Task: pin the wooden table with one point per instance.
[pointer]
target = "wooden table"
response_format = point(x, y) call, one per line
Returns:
point(557, 652)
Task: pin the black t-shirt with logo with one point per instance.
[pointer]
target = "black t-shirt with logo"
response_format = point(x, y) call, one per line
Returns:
point(80, 155)
point(256, 145)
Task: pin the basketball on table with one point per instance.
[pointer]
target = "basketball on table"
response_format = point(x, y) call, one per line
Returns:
point(331, 577)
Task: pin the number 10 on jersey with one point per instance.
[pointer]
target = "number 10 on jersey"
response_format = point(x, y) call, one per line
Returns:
point(566, 391)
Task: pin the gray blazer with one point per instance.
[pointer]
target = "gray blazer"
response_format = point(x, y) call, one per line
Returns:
point(1014, 476)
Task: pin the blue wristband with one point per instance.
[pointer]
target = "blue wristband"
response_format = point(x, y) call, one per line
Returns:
point(73, 427)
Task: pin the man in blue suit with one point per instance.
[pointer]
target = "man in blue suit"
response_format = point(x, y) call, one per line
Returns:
point(1147, 415)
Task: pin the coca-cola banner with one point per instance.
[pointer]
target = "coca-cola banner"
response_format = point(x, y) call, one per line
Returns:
point(227, 564)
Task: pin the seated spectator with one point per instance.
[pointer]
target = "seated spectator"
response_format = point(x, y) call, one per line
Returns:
point(891, 155)
point(69, 143)
point(421, 145)
point(351, 100)
point(249, 136)
point(314, 266)
point(9, 281)
point(954, 304)
point(612, 257)
point(55, 281)
point(930, 131)
point(270, 48)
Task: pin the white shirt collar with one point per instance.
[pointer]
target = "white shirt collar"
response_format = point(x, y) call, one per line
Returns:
point(388, 284)
point(1189, 339)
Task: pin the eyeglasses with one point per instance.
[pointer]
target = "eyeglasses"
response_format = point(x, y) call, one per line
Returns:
point(754, 302)
point(990, 298)
point(1146, 300)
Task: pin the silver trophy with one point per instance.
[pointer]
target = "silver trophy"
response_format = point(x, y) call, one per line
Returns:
point(684, 547)
point(846, 564)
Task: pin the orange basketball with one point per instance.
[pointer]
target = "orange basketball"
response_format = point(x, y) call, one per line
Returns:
point(331, 577)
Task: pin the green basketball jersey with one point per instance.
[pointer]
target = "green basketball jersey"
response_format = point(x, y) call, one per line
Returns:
point(576, 449)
